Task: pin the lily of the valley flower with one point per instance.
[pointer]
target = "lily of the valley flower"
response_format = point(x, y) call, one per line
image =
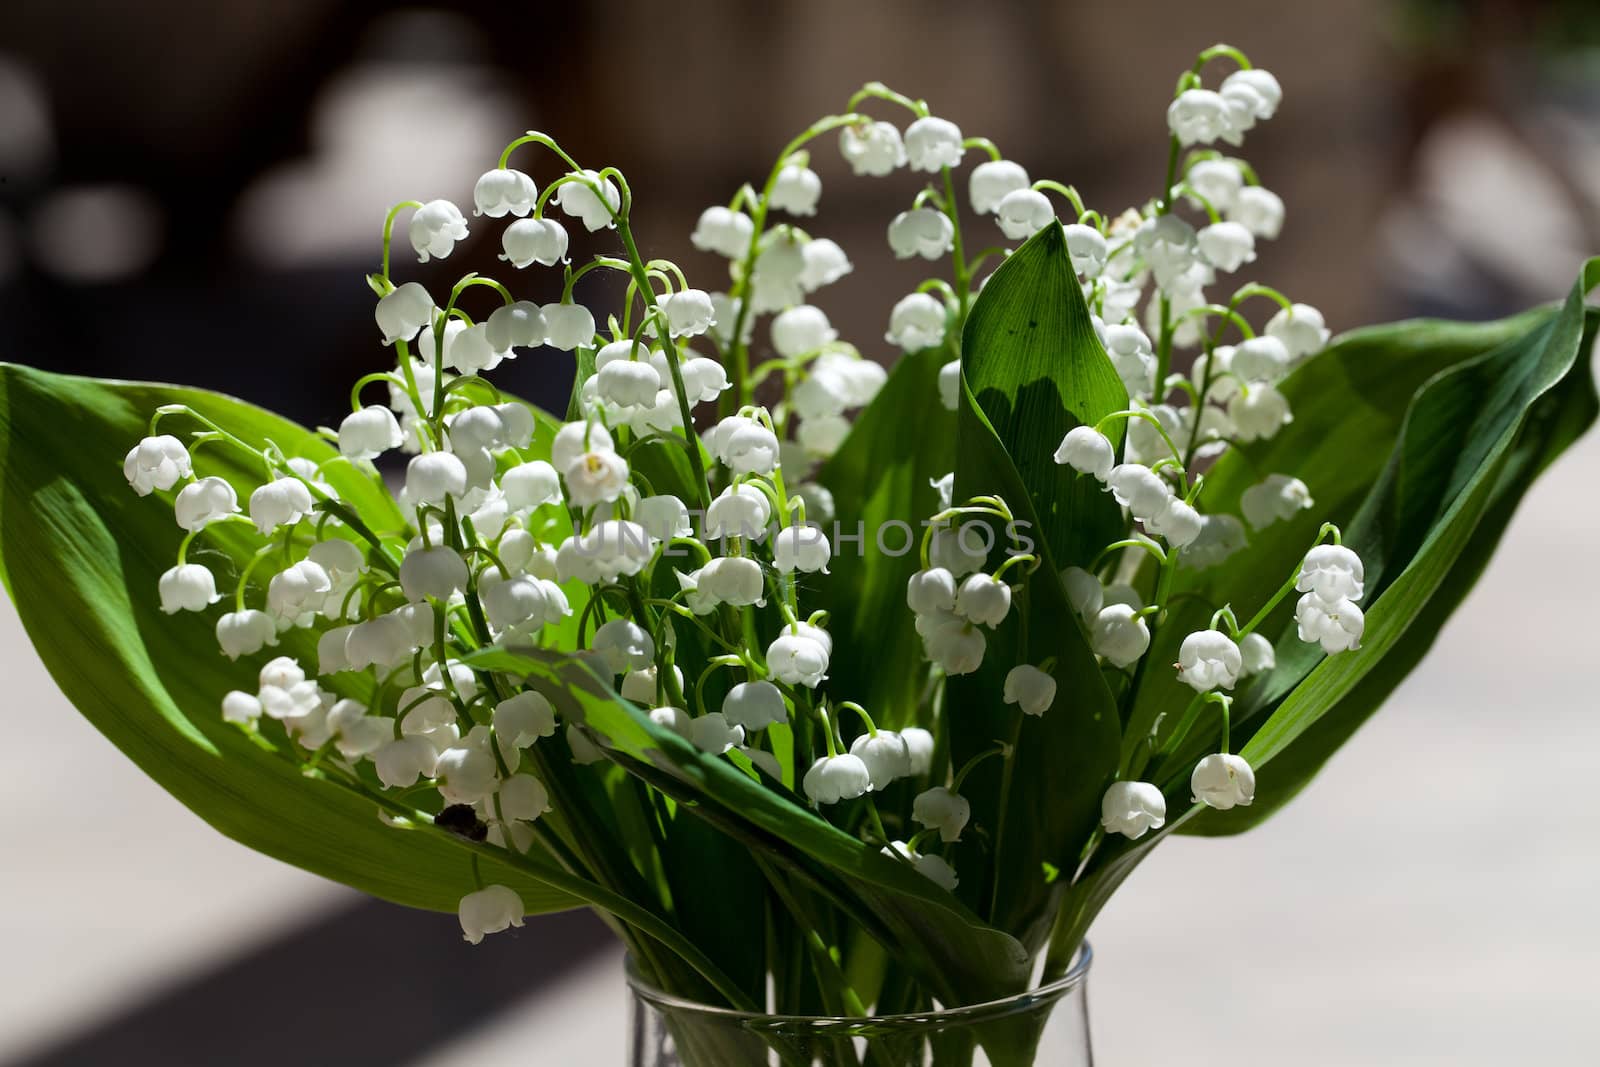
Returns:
point(991, 181)
point(435, 228)
point(187, 587)
point(1029, 688)
point(1132, 809)
point(500, 192)
point(489, 911)
point(529, 241)
point(1223, 781)
point(1209, 659)
point(1119, 634)
point(872, 148)
point(754, 705)
point(581, 201)
point(933, 143)
point(835, 778)
point(921, 232)
point(938, 808)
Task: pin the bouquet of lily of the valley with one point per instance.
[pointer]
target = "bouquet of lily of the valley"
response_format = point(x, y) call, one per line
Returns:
point(822, 714)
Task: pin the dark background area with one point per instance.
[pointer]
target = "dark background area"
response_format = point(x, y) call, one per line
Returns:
point(193, 192)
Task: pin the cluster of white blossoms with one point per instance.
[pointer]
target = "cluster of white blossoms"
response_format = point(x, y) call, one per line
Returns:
point(514, 531)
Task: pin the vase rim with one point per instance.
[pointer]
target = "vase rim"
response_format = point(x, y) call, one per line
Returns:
point(1075, 976)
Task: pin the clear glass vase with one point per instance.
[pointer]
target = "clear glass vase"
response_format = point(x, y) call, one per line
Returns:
point(1046, 1025)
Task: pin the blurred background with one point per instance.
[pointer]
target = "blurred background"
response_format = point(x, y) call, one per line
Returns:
point(194, 193)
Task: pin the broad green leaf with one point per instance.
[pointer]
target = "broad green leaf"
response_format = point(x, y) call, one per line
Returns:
point(82, 555)
point(880, 479)
point(1030, 354)
point(1041, 805)
point(948, 949)
point(1349, 403)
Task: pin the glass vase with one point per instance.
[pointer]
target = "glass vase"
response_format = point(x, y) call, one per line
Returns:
point(1046, 1025)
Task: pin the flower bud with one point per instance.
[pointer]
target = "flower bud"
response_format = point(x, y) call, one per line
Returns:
point(796, 190)
point(1257, 654)
point(1084, 592)
point(983, 599)
point(723, 231)
point(960, 549)
point(1276, 498)
point(240, 707)
point(920, 744)
point(1119, 634)
point(1086, 247)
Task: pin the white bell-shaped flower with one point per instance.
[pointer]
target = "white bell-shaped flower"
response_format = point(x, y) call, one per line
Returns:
point(280, 502)
point(934, 868)
point(298, 591)
point(517, 325)
point(610, 549)
point(917, 322)
point(1179, 523)
point(1084, 592)
point(796, 190)
point(1120, 635)
point(244, 633)
point(529, 241)
point(714, 734)
point(240, 708)
point(1087, 248)
point(1262, 84)
point(920, 744)
point(952, 642)
point(518, 604)
point(873, 149)
point(930, 591)
point(1258, 411)
point(885, 755)
point(187, 587)
point(1332, 572)
point(432, 476)
point(403, 313)
point(960, 549)
point(466, 770)
point(489, 911)
point(1022, 213)
point(383, 642)
point(437, 572)
point(596, 478)
point(835, 778)
point(689, 313)
point(576, 438)
point(1259, 210)
point(1227, 246)
point(991, 181)
point(823, 262)
point(1087, 451)
point(531, 485)
point(1218, 180)
point(801, 548)
point(1336, 624)
point(950, 385)
point(623, 645)
point(435, 228)
point(755, 705)
point(593, 201)
point(664, 516)
point(1029, 688)
point(703, 380)
point(797, 659)
point(1140, 490)
point(157, 463)
point(933, 144)
point(370, 432)
point(1132, 809)
point(400, 762)
point(775, 282)
point(940, 809)
point(1257, 654)
point(628, 382)
point(675, 719)
point(1198, 116)
point(1223, 781)
point(1220, 537)
point(1276, 498)
point(801, 330)
point(205, 501)
point(984, 600)
point(723, 231)
point(735, 580)
point(1259, 359)
point(1133, 357)
point(640, 686)
point(1209, 659)
point(921, 232)
point(502, 192)
point(822, 436)
point(521, 798)
point(744, 445)
point(568, 326)
point(523, 719)
point(1301, 328)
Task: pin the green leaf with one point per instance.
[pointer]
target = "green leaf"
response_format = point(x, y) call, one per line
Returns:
point(1472, 441)
point(948, 949)
point(880, 478)
point(1030, 354)
point(81, 556)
